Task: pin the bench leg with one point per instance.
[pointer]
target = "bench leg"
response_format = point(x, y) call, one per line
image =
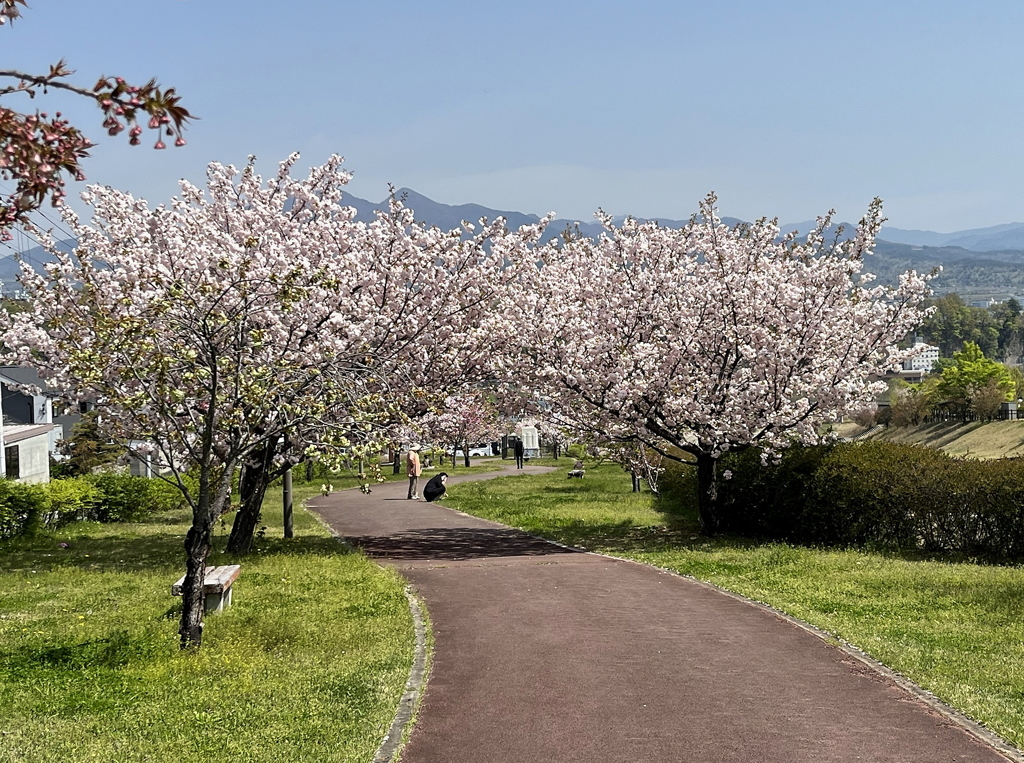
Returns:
point(217, 602)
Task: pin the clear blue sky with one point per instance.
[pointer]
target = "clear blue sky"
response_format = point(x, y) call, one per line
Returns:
point(783, 108)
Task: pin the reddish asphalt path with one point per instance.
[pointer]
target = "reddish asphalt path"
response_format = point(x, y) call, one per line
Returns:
point(544, 654)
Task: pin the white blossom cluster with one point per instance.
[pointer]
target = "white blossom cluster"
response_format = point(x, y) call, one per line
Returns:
point(707, 338)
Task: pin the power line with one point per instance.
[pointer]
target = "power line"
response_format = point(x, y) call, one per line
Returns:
point(56, 225)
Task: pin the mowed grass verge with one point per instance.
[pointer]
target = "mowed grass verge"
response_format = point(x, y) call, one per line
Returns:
point(307, 665)
point(957, 629)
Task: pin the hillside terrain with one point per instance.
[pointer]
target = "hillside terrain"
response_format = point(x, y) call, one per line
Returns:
point(976, 264)
point(996, 439)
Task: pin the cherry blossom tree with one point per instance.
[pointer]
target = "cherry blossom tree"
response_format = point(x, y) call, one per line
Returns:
point(417, 312)
point(432, 295)
point(706, 339)
point(37, 149)
point(461, 419)
point(247, 324)
point(207, 328)
point(412, 319)
point(642, 462)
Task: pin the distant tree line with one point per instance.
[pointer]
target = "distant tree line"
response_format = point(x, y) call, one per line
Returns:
point(967, 386)
point(997, 330)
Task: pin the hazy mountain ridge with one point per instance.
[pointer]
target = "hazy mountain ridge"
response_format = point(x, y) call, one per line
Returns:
point(449, 216)
point(1008, 236)
point(981, 260)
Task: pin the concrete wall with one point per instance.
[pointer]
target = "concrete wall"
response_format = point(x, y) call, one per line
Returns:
point(34, 460)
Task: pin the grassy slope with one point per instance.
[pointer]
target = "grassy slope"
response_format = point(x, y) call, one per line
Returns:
point(308, 664)
point(996, 439)
point(956, 629)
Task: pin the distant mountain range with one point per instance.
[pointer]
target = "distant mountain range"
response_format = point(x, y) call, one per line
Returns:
point(976, 262)
point(998, 238)
point(448, 216)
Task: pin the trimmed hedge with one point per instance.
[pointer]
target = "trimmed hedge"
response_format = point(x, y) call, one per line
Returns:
point(22, 508)
point(28, 508)
point(125, 498)
point(70, 500)
point(871, 494)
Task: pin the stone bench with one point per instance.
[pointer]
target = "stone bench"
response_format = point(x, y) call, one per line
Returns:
point(216, 585)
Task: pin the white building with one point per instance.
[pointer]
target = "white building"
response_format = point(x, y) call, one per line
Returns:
point(925, 358)
point(27, 452)
point(30, 431)
point(531, 442)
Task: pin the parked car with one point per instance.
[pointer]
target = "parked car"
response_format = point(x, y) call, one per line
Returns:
point(475, 449)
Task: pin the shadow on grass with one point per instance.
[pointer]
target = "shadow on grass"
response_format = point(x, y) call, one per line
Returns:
point(317, 545)
point(115, 651)
point(623, 537)
point(158, 552)
point(106, 553)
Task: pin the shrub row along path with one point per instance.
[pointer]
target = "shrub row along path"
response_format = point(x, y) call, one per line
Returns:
point(546, 654)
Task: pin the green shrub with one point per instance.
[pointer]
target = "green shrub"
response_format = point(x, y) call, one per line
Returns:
point(870, 494)
point(677, 491)
point(124, 498)
point(70, 500)
point(22, 508)
point(25, 509)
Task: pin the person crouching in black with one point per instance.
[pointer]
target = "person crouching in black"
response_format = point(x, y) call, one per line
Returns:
point(435, 487)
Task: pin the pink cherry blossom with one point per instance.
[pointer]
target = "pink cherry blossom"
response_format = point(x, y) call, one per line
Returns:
point(704, 339)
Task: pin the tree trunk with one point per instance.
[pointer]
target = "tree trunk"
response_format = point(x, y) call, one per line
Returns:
point(252, 489)
point(636, 482)
point(504, 447)
point(465, 453)
point(396, 462)
point(309, 470)
point(707, 493)
point(198, 542)
point(193, 600)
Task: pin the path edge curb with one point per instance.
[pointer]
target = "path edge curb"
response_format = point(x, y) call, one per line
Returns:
point(391, 746)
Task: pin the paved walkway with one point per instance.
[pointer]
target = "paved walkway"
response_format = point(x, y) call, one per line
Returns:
point(544, 654)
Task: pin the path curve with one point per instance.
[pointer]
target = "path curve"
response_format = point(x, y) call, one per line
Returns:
point(545, 654)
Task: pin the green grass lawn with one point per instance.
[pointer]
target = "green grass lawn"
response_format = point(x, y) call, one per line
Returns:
point(956, 629)
point(307, 665)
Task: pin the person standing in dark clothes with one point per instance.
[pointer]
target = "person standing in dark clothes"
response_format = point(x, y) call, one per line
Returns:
point(435, 488)
point(517, 448)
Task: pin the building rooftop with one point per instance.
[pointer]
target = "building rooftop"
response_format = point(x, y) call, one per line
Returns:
point(17, 432)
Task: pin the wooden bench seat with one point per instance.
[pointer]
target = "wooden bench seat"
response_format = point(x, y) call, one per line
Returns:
point(216, 585)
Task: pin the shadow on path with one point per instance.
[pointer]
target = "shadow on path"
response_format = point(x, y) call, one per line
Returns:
point(456, 543)
point(568, 657)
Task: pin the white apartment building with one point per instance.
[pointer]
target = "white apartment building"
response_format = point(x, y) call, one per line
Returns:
point(925, 358)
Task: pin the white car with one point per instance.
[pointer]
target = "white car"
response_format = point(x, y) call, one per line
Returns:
point(475, 450)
